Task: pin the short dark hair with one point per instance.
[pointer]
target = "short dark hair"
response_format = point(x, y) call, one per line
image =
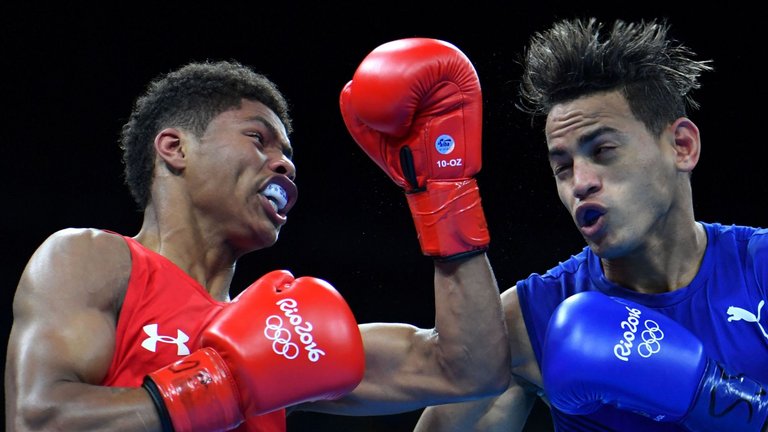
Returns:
point(189, 97)
point(579, 57)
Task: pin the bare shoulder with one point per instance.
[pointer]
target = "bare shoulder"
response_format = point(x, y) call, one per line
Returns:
point(78, 263)
point(83, 249)
point(65, 311)
point(511, 304)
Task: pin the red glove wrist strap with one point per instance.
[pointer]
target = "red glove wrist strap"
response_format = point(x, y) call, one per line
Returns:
point(449, 218)
point(198, 393)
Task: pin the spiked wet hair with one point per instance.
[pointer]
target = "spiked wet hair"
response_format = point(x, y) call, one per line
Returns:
point(579, 57)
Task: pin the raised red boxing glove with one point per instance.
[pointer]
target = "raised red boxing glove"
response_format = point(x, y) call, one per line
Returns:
point(281, 342)
point(415, 107)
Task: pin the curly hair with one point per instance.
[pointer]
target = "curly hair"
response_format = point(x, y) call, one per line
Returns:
point(579, 57)
point(189, 98)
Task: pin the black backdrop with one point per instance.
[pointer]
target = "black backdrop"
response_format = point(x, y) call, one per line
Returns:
point(72, 72)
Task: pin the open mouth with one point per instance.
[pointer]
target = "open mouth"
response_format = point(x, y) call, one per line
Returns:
point(590, 217)
point(276, 195)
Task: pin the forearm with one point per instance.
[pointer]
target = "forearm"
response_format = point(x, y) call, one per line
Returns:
point(83, 407)
point(473, 344)
point(465, 356)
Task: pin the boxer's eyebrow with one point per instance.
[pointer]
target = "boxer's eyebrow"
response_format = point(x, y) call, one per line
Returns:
point(285, 146)
point(585, 140)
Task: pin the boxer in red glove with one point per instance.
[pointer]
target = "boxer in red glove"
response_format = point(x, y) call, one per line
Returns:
point(138, 333)
point(282, 341)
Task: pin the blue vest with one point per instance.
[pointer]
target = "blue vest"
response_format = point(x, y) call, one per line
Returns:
point(725, 306)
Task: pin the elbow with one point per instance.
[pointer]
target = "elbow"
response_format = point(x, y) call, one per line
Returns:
point(34, 417)
point(482, 385)
point(499, 385)
point(493, 370)
point(494, 379)
point(482, 374)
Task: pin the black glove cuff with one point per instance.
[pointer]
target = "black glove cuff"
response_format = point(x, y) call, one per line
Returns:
point(157, 399)
point(462, 255)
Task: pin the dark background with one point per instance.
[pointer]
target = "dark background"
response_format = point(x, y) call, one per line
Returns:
point(71, 74)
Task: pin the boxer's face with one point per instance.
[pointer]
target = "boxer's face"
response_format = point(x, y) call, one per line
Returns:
point(240, 175)
point(614, 177)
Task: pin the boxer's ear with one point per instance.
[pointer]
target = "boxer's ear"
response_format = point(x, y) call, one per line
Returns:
point(169, 146)
point(686, 142)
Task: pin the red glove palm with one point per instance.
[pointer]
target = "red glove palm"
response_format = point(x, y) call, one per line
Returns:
point(415, 107)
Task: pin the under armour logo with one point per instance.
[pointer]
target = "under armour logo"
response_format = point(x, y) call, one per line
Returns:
point(738, 314)
point(150, 343)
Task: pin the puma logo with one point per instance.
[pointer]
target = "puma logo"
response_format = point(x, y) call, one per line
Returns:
point(739, 314)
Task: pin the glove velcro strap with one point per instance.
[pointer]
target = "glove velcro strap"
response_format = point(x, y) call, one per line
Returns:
point(197, 393)
point(728, 401)
point(449, 218)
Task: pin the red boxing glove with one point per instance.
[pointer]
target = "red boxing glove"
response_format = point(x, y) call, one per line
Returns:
point(415, 107)
point(281, 342)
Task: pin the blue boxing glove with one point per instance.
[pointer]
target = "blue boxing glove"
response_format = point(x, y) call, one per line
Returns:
point(604, 350)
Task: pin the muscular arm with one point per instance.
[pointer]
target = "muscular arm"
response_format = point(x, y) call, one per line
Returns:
point(63, 336)
point(507, 412)
point(464, 356)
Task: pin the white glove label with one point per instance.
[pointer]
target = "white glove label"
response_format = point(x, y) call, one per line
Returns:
point(444, 144)
point(281, 336)
point(442, 163)
point(650, 336)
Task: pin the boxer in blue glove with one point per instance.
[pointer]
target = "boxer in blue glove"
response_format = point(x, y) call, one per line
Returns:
point(670, 331)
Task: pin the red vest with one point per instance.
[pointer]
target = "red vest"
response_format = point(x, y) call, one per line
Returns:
point(160, 321)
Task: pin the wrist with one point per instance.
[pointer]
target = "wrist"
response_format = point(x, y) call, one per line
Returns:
point(728, 401)
point(449, 218)
point(195, 393)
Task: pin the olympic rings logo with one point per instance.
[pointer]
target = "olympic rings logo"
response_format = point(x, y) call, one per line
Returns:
point(651, 337)
point(280, 337)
